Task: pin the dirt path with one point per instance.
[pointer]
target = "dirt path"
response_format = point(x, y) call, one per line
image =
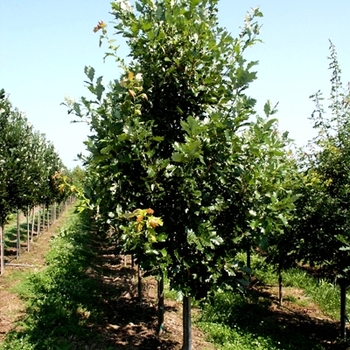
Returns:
point(129, 324)
point(11, 306)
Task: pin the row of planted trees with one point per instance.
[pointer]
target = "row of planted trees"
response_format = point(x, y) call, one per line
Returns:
point(29, 169)
point(185, 173)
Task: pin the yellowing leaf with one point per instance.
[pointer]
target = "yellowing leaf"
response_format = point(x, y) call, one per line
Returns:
point(100, 25)
point(155, 222)
point(131, 76)
point(152, 238)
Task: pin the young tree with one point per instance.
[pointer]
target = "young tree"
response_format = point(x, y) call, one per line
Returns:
point(169, 135)
point(5, 208)
point(268, 181)
point(325, 216)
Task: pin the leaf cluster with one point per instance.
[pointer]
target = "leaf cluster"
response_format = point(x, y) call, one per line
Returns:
point(173, 133)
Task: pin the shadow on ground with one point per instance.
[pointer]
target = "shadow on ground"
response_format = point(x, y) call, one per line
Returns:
point(127, 323)
point(289, 326)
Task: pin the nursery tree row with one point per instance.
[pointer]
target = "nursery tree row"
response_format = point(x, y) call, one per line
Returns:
point(29, 166)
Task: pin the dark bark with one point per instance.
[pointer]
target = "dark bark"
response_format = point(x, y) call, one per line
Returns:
point(18, 242)
point(139, 283)
point(280, 297)
point(160, 304)
point(186, 315)
point(249, 261)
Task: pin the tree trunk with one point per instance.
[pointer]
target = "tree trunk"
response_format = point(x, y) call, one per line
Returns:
point(18, 242)
point(248, 257)
point(343, 285)
point(280, 297)
point(53, 212)
point(48, 218)
point(186, 319)
point(161, 304)
point(2, 250)
point(32, 225)
point(38, 223)
point(28, 231)
point(139, 283)
point(249, 262)
point(43, 218)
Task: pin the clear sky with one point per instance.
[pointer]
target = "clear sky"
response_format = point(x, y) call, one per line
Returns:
point(45, 45)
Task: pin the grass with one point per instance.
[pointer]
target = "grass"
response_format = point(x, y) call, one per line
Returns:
point(60, 299)
point(232, 321)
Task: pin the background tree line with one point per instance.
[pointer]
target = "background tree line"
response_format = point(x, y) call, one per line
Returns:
point(30, 167)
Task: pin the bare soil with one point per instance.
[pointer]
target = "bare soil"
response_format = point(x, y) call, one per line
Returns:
point(130, 324)
point(301, 315)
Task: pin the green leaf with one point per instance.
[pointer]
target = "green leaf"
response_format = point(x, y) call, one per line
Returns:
point(77, 110)
point(269, 123)
point(264, 243)
point(123, 137)
point(283, 219)
point(194, 3)
point(164, 252)
point(138, 6)
point(178, 157)
point(99, 88)
point(89, 72)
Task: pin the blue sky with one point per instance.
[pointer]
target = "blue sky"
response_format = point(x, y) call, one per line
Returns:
point(45, 45)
